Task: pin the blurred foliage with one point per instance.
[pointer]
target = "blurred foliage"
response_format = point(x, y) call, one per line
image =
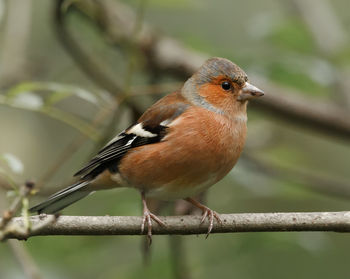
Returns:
point(23, 96)
point(10, 166)
point(45, 110)
point(292, 35)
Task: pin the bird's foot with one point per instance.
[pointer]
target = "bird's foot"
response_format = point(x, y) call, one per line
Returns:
point(210, 214)
point(147, 220)
point(207, 213)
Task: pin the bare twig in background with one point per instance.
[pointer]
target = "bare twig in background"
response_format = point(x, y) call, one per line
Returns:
point(319, 16)
point(5, 185)
point(310, 113)
point(74, 145)
point(186, 225)
point(343, 86)
point(169, 56)
point(322, 21)
point(179, 257)
point(132, 53)
point(26, 261)
point(15, 41)
point(90, 65)
point(177, 249)
point(95, 70)
point(312, 181)
point(86, 62)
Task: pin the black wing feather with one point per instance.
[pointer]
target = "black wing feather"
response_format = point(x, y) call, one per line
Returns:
point(109, 156)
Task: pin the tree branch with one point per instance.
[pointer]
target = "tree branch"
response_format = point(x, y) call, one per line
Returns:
point(189, 224)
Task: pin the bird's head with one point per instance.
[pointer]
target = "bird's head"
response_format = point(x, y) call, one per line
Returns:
point(220, 84)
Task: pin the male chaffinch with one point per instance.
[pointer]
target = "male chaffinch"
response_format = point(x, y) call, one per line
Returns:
point(182, 145)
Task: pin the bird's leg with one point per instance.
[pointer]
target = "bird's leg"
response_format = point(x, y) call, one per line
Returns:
point(207, 213)
point(147, 216)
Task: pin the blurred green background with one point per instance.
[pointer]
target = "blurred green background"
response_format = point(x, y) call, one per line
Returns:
point(48, 104)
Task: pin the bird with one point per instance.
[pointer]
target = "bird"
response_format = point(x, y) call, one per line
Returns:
point(181, 145)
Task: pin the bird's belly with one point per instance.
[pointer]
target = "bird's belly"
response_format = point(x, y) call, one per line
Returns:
point(175, 190)
point(180, 177)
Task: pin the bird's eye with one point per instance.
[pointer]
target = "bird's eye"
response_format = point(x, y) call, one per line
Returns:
point(226, 85)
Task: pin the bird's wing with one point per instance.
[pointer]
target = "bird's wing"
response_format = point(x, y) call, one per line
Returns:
point(150, 128)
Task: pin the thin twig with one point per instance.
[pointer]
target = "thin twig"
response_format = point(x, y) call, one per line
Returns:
point(26, 228)
point(16, 204)
point(22, 232)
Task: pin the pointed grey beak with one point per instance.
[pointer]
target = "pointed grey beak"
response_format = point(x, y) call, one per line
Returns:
point(249, 91)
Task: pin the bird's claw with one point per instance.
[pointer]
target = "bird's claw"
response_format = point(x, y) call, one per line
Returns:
point(210, 214)
point(147, 218)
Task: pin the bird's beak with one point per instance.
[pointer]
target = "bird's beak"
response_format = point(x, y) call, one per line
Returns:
point(249, 91)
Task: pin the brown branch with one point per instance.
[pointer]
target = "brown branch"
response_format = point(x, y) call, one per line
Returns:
point(189, 224)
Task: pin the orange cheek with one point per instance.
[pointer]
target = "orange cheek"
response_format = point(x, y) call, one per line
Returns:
point(214, 94)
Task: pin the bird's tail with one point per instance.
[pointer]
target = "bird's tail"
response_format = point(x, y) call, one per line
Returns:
point(63, 198)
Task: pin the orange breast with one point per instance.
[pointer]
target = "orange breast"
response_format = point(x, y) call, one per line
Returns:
point(200, 149)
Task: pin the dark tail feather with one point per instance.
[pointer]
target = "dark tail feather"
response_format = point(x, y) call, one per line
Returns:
point(62, 199)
